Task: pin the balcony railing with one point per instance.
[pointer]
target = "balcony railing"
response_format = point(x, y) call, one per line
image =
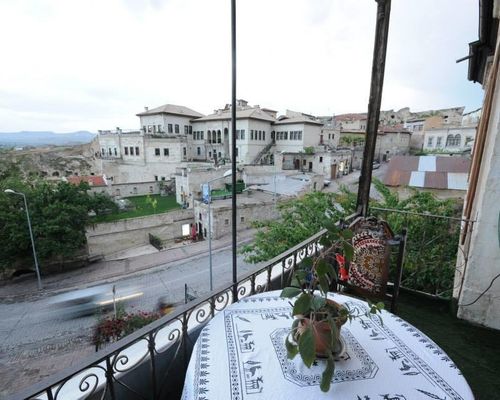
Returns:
point(431, 250)
point(151, 362)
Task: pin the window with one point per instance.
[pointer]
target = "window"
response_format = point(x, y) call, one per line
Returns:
point(137, 151)
point(209, 137)
point(201, 135)
point(116, 153)
point(251, 134)
point(321, 159)
point(286, 135)
point(226, 222)
point(220, 154)
point(209, 154)
point(198, 151)
point(176, 128)
point(186, 129)
point(103, 151)
point(260, 135)
point(429, 142)
point(242, 219)
point(162, 178)
point(300, 135)
point(157, 152)
point(109, 150)
point(190, 129)
point(468, 139)
point(166, 152)
point(242, 134)
point(438, 141)
point(169, 128)
point(219, 137)
point(452, 141)
point(263, 135)
point(156, 177)
point(184, 151)
point(126, 151)
point(134, 190)
point(131, 151)
point(151, 189)
point(159, 128)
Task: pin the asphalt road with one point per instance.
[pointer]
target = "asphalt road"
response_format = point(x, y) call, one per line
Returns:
point(36, 340)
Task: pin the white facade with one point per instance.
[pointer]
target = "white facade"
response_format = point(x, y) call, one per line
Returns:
point(449, 139)
point(477, 290)
point(294, 136)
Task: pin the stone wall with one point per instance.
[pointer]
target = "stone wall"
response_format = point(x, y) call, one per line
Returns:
point(111, 237)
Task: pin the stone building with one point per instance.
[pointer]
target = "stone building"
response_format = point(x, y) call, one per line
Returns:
point(476, 288)
point(452, 140)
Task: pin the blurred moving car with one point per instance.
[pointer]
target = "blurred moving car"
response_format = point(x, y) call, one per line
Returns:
point(89, 301)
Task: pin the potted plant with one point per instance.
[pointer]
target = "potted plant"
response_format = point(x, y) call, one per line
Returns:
point(315, 331)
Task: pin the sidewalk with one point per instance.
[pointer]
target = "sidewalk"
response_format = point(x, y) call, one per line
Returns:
point(112, 270)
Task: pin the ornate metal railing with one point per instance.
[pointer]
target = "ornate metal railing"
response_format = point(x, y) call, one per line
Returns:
point(151, 362)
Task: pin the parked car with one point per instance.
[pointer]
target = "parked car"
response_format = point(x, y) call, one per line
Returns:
point(375, 165)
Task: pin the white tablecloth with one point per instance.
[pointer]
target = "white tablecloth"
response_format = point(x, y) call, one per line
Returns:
point(241, 354)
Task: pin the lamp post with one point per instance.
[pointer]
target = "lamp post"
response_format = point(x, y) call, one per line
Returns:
point(209, 201)
point(10, 191)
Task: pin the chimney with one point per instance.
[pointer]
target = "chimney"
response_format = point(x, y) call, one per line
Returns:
point(146, 108)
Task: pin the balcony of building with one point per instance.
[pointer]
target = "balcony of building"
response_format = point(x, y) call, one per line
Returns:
point(151, 363)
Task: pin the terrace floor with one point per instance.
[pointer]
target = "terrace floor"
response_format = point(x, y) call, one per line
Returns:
point(475, 350)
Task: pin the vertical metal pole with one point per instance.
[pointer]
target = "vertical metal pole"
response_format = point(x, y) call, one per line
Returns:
point(233, 136)
point(210, 235)
point(32, 243)
point(377, 83)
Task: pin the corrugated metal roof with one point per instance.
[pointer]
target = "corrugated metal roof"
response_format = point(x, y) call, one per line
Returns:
point(428, 172)
point(436, 180)
point(417, 179)
point(457, 181)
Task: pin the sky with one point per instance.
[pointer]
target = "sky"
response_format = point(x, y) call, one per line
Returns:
point(72, 65)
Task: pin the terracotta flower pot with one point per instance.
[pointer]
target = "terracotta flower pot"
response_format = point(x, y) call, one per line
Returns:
point(321, 330)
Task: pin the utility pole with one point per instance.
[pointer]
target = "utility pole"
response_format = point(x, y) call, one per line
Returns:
point(377, 83)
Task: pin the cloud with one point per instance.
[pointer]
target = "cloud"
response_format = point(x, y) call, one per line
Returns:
point(94, 65)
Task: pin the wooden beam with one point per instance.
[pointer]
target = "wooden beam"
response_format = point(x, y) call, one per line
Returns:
point(377, 83)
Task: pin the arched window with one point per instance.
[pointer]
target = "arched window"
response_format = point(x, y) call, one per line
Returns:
point(449, 140)
point(219, 137)
point(209, 136)
point(453, 141)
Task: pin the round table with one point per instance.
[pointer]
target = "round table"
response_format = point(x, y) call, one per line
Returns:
point(241, 354)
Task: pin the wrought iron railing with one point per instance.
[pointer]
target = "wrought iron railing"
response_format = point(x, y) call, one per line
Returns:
point(432, 249)
point(151, 362)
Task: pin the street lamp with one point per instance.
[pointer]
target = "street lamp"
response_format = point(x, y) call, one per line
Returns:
point(209, 201)
point(10, 191)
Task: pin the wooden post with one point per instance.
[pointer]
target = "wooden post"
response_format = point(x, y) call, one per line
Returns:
point(377, 83)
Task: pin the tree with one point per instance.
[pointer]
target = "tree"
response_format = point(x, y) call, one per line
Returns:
point(59, 215)
point(300, 219)
point(432, 242)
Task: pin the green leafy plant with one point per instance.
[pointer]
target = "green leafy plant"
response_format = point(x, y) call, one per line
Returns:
point(111, 329)
point(315, 330)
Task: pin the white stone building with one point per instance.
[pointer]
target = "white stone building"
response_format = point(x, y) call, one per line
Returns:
point(453, 140)
point(476, 288)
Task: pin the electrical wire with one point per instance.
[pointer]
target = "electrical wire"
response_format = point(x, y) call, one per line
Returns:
point(482, 294)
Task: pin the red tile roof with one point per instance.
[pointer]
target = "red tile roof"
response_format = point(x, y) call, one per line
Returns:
point(92, 180)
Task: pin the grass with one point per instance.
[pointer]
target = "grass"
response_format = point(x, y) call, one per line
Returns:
point(475, 350)
point(142, 208)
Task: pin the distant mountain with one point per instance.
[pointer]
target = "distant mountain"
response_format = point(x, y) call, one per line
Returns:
point(26, 138)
